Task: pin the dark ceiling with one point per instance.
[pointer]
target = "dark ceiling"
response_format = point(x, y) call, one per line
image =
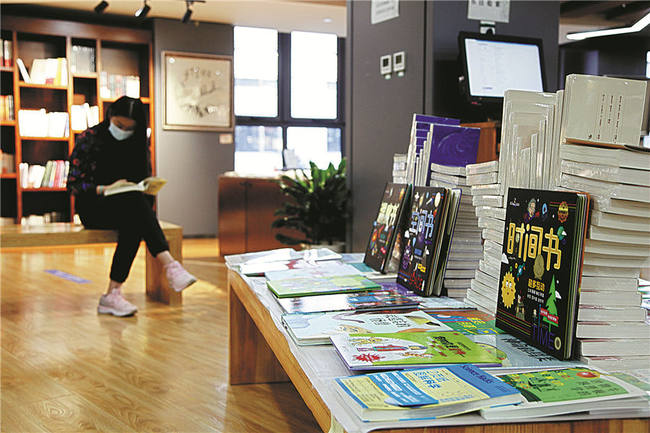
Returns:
point(618, 12)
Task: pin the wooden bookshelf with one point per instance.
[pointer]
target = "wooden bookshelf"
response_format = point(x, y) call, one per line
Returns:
point(117, 51)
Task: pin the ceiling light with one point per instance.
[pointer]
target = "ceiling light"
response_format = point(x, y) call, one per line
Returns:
point(637, 27)
point(101, 6)
point(327, 20)
point(143, 11)
point(188, 12)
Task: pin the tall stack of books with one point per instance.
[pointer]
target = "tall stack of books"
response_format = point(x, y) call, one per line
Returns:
point(487, 198)
point(598, 156)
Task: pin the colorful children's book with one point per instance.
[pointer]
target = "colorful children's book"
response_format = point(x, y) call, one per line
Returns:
point(468, 322)
point(380, 299)
point(427, 239)
point(543, 246)
point(410, 349)
point(561, 391)
point(428, 393)
point(307, 286)
point(392, 210)
point(317, 328)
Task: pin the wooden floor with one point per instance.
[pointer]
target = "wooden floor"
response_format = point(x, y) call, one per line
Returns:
point(66, 369)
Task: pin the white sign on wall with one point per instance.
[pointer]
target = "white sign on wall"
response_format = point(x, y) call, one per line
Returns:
point(489, 10)
point(383, 10)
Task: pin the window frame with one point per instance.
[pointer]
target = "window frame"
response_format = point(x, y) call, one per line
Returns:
point(284, 119)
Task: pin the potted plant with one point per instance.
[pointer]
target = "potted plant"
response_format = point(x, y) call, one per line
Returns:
point(317, 207)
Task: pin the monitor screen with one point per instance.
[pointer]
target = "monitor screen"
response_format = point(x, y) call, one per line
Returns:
point(494, 64)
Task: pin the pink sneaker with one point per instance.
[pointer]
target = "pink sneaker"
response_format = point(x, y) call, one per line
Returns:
point(115, 304)
point(179, 279)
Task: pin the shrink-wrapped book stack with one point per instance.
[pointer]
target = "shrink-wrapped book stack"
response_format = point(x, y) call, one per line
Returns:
point(487, 198)
point(600, 131)
point(399, 168)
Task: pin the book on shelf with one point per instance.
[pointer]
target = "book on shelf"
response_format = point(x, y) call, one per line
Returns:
point(427, 238)
point(410, 350)
point(371, 300)
point(115, 85)
point(23, 70)
point(566, 390)
point(7, 52)
point(393, 208)
point(603, 111)
point(541, 267)
point(83, 116)
point(8, 162)
point(421, 394)
point(40, 123)
point(82, 60)
point(150, 185)
point(51, 71)
point(317, 328)
point(309, 286)
point(7, 107)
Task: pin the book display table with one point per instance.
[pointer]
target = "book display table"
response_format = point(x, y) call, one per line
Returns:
point(261, 351)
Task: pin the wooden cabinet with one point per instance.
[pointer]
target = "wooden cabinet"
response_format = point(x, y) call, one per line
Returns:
point(116, 53)
point(246, 207)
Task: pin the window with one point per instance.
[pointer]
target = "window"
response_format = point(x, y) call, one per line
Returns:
point(288, 99)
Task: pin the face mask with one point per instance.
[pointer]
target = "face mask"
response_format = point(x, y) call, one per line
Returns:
point(117, 133)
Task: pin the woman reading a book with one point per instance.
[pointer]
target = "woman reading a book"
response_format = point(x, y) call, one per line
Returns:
point(108, 154)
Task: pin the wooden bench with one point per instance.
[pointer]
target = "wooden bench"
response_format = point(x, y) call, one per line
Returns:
point(55, 234)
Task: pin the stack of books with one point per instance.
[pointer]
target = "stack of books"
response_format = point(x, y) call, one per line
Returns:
point(487, 198)
point(399, 168)
point(7, 107)
point(52, 71)
point(466, 249)
point(115, 85)
point(84, 116)
point(82, 60)
point(599, 155)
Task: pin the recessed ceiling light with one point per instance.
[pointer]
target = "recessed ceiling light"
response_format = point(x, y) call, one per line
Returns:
point(327, 20)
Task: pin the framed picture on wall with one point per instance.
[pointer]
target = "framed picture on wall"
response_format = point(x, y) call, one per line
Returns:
point(197, 92)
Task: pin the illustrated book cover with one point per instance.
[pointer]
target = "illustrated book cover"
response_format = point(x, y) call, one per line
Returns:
point(307, 286)
point(427, 238)
point(410, 349)
point(543, 246)
point(426, 393)
point(392, 209)
point(317, 328)
point(380, 299)
point(561, 391)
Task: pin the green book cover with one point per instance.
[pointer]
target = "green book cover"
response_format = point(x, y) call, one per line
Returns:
point(410, 349)
point(307, 286)
point(566, 390)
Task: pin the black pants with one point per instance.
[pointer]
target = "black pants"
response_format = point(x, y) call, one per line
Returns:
point(132, 215)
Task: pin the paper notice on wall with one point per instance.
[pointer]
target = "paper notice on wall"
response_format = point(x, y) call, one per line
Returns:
point(489, 10)
point(383, 10)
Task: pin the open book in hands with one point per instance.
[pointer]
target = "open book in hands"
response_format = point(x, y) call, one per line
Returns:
point(150, 185)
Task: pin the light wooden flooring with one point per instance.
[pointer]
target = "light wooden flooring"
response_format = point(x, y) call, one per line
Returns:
point(66, 369)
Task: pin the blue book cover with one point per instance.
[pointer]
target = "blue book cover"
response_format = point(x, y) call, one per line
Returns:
point(436, 119)
point(455, 146)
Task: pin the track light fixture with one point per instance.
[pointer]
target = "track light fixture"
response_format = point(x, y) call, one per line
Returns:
point(188, 11)
point(143, 11)
point(101, 6)
point(636, 27)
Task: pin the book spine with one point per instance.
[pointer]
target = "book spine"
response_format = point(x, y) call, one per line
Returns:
point(7, 52)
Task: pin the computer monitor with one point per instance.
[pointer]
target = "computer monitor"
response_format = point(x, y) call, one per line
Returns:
point(493, 64)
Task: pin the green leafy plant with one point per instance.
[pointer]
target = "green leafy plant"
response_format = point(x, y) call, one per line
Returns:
point(317, 205)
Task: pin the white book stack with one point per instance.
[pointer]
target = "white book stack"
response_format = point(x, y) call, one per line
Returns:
point(399, 168)
point(466, 246)
point(612, 328)
point(487, 198)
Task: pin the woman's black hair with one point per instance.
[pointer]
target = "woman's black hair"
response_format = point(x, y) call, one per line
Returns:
point(132, 108)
